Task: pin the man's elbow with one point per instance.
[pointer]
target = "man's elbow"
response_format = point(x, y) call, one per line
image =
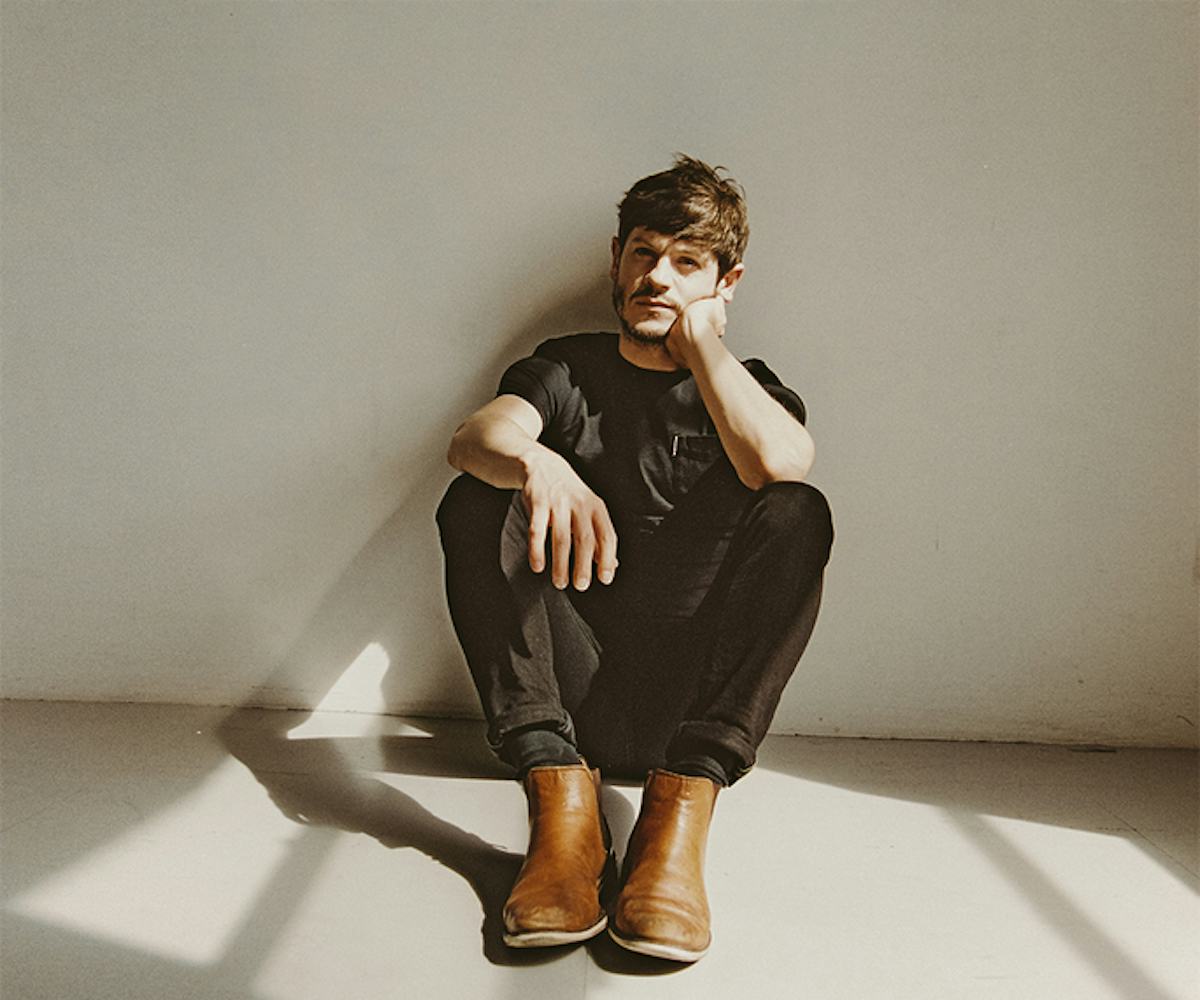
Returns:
point(454, 454)
point(785, 465)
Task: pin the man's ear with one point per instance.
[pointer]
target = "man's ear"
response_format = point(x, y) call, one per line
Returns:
point(616, 258)
point(729, 280)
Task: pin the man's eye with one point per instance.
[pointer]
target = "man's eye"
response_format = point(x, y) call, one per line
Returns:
point(689, 262)
point(643, 252)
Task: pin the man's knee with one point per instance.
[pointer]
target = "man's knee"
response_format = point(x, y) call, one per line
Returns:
point(792, 509)
point(468, 504)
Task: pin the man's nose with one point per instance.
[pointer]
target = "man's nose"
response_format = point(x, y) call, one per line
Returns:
point(660, 273)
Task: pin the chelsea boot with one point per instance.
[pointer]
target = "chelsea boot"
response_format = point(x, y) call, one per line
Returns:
point(556, 898)
point(662, 909)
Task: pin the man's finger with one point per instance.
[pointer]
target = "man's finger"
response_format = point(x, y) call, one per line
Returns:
point(585, 547)
point(606, 550)
point(560, 540)
point(539, 518)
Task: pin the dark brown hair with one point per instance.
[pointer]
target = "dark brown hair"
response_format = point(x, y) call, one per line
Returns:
point(690, 201)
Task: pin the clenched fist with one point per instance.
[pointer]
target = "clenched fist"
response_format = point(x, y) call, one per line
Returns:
point(700, 319)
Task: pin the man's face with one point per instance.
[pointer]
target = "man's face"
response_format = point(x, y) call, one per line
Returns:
point(656, 276)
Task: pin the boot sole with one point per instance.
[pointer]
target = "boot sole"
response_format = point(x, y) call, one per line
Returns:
point(657, 949)
point(551, 939)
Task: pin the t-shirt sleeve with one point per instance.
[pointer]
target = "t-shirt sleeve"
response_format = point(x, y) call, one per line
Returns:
point(538, 380)
point(777, 390)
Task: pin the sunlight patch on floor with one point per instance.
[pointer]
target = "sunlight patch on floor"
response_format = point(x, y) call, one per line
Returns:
point(178, 884)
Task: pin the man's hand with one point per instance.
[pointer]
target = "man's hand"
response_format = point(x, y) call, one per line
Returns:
point(700, 319)
point(560, 503)
point(498, 443)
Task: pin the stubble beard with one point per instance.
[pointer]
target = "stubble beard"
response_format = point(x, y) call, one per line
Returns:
point(637, 336)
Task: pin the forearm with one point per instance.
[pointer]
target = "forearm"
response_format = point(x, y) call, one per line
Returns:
point(496, 450)
point(764, 441)
point(499, 445)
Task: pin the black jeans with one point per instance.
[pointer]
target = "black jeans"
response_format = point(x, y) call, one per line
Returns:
point(686, 652)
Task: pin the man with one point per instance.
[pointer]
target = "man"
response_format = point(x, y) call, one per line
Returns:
point(656, 464)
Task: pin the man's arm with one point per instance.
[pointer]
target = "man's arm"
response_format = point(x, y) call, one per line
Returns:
point(499, 444)
point(765, 443)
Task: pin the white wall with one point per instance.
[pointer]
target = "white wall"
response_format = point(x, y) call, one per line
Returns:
point(260, 258)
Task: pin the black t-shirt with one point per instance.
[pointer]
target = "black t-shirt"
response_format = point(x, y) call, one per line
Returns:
point(639, 438)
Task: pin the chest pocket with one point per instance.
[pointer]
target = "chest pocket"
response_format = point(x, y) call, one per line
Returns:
point(691, 457)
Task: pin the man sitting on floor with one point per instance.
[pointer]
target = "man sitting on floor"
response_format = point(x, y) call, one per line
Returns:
point(657, 444)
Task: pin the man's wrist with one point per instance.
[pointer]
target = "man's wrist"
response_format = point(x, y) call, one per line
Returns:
point(536, 457)
point(701, 349)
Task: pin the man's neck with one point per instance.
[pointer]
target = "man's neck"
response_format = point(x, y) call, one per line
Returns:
point(653, 357)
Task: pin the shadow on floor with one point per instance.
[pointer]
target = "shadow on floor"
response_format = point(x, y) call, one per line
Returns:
point(1074, 788)
point(319, 782)
point(1049, 785)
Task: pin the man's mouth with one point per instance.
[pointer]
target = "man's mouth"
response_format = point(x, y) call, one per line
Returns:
point(652, 303)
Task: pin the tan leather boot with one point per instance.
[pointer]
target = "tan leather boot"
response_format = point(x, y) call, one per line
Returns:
point(662, 909)
point(556, 898)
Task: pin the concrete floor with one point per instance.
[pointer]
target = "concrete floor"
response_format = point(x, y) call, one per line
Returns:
point(159, 852)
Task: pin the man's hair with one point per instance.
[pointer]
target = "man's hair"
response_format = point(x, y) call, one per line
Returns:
point(690, 201)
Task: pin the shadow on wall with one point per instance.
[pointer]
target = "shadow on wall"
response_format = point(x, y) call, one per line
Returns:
point(390, 598)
